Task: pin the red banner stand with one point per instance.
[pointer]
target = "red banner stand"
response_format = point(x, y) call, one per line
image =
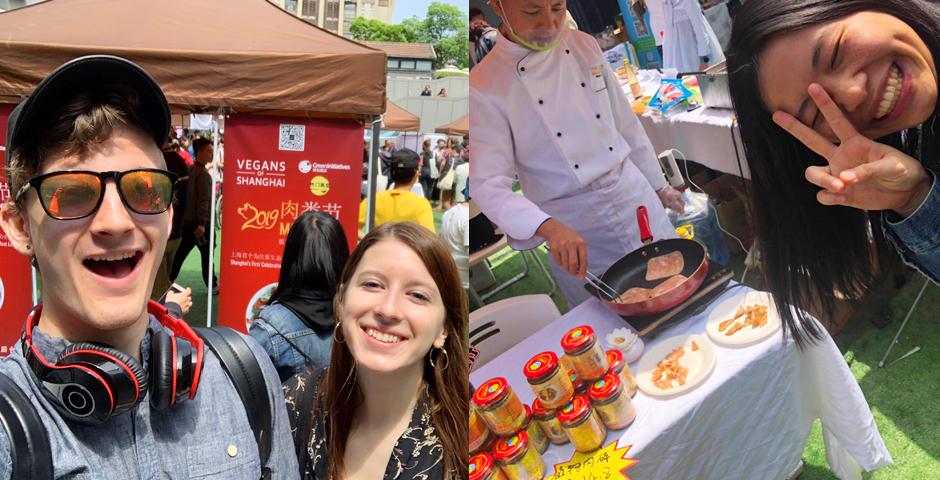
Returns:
point(277, 168)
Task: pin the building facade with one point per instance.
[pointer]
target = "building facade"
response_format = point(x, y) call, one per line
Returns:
point(337, 15)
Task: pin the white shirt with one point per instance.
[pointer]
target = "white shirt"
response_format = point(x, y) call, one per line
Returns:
point(461, 172)
point(557, 119)
point(455, 233)
point(657, 11)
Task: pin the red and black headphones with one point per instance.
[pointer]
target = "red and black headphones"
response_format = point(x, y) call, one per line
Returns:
point(91, 381)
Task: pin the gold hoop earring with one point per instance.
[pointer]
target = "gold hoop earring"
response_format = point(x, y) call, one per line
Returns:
point(446, 358)
point(336, 333)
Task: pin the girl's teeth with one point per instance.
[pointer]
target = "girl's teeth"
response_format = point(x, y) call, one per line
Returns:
point(892, 92)
point(382, 337)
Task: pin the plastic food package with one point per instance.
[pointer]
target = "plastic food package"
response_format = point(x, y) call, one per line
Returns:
point(671, 99)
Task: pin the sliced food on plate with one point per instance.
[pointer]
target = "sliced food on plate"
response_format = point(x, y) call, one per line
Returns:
point(675, 365)
point(743, 319)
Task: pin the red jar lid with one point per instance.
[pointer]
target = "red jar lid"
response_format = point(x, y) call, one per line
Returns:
point(528, 416)
point(480, 466)
point(615, 360)
point(491, 392)
point(571, 413)
point(604, 388)
point(541, 411)
point(540, 366)
point(578, 339)
point(508, 448)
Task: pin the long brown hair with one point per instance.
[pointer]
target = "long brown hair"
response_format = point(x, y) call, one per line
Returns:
point(341, 396)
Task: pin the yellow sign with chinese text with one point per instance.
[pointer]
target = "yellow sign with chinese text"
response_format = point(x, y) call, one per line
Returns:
point(606, 463)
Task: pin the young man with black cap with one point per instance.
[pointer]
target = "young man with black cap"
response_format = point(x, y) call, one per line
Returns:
point(111, 376)
point(400, 204)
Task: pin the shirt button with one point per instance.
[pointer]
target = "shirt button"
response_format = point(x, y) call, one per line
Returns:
point(522, 68)
point(610, 148)
point(576, 166)
point(558, 134)
point(540, 101)
point(582, 84)
point(232, 450)
point(597, 116)
point(568, 51)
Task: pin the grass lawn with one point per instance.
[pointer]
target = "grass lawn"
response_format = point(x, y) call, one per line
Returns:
point(903, 396)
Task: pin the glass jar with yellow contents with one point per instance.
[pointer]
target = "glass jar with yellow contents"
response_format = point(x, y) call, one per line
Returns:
point(582, 425)
point(478, 434)
point(585, 352)
point(550, 425)
point(483, 467)
point(536, 436)
point(620, 368)
point(499, 406)
point(548, 380)
point(518, 459)
point(612, 403)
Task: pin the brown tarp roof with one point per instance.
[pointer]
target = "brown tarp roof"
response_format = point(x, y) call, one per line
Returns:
point(397, 118)
point(461, 126)
point(248, 55)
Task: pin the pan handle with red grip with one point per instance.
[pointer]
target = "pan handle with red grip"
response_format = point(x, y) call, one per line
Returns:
point(643, 218)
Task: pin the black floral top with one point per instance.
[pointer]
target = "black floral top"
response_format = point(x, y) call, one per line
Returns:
point(417, 455)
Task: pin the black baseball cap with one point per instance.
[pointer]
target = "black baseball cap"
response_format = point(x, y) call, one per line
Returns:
point(80, 74)
point(404, 158)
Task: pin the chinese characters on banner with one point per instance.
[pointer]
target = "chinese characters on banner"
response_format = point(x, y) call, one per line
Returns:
point(277, 168)
point(16, 280)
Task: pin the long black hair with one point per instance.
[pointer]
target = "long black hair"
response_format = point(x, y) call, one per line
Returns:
point(315, 252)
point(809, 251)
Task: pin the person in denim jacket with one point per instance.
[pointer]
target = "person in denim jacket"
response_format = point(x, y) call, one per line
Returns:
point(296, 328)
point(837, 104)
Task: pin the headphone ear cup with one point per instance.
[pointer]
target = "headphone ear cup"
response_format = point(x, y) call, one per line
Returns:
point(122, 374)
point(162, 371)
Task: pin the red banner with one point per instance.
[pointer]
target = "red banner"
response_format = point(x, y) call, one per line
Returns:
point(277, 168)
point(16, 280)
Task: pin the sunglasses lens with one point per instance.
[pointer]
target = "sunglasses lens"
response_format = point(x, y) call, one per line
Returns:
point(147, 191)
point(70, 195)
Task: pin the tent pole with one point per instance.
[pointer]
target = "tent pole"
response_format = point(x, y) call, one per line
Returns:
point(215, 179)
point(373, 164)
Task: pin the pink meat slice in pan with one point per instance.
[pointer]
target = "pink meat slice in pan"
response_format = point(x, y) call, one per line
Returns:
point(664, 266)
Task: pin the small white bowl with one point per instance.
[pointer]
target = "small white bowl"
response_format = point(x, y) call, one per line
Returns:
point(634, 352)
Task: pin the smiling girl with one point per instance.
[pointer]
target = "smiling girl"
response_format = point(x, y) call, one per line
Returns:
point(837, 105)
point(389, 405)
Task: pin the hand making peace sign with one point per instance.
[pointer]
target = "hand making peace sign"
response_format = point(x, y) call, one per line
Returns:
point(862, 173)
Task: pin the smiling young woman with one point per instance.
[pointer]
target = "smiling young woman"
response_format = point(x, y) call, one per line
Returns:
point(836, 102)
point(390, 403)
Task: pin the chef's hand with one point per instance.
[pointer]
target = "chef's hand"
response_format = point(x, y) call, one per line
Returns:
point(672, 199)
point(567, 247)
point(861, 173)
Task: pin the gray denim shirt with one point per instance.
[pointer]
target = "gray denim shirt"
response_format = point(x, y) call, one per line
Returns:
point(207, 438)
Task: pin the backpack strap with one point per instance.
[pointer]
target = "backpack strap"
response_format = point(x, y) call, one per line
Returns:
point(30, 452)
point(242, 367)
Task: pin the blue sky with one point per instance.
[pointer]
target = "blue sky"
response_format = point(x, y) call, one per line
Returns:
point(419, 8)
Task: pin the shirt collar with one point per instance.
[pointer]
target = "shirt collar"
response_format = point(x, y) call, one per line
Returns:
point(518, 52)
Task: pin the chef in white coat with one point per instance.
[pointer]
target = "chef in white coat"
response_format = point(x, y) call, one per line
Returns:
point(547, 108)
point(657, 9)
point(689, 43)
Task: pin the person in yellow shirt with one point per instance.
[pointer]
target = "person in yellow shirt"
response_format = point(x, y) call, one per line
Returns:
point(400, 204)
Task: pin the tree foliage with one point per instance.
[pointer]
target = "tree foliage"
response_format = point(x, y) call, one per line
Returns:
point(444, 26)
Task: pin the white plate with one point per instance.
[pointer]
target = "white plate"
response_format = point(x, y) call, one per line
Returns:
point(700, 364)
point(249, 311)
point(747, 335)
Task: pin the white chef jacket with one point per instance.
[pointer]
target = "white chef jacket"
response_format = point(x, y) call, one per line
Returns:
point(688, 36)
point(657, 10)
point(560, 121)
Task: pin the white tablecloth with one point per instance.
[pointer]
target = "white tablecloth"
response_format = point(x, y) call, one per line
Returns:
point(748, 420)
point(703, 135)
